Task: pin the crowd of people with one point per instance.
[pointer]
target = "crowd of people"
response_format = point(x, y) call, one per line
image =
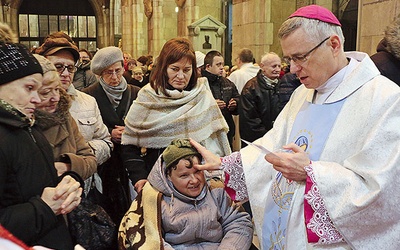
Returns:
point(157, 138)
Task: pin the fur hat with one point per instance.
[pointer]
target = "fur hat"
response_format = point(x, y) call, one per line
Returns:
point(46, 65)
point(137, 69)
point(16, 62)
point(53, 45)
point(106, 57)
point(176, 150)
point(199, 58)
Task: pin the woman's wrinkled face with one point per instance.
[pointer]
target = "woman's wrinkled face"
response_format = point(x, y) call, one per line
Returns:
point(179, 73)
point(188, 181)
point(49, 93)
point(113, 74)
point(22, 94)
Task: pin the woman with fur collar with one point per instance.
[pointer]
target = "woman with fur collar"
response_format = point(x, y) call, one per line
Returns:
point(71, 152)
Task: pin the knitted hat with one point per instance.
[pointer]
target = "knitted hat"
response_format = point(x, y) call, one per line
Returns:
point(176, 150)
point(106, 57)
point(199, 58)
point(16, 62)
point(53, 45)
point(137, 69)
point(46, 65)
point(316, 12)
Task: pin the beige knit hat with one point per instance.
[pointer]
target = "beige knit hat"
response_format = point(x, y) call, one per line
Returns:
point(106, 57)
point(45, 63)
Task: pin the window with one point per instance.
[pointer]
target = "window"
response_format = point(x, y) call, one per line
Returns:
point(33, 29)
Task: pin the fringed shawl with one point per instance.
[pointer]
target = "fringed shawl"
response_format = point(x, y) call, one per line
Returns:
point(154, 120)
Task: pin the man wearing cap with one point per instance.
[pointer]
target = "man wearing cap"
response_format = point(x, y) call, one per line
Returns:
point(60, 50)
point(334, 187)
point(223, 90)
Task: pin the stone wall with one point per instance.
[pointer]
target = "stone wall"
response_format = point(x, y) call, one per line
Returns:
point(255, 22)
point(374, 16)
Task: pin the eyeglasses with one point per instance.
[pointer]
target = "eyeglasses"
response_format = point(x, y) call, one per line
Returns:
point(60, 68)
point(110, 73)
point(300, 59)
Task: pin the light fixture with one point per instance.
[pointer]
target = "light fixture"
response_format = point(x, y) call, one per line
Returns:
point(176, 9)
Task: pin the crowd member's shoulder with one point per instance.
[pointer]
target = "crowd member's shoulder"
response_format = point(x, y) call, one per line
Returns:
point(250, 85)
point(90, 89)
point(134, 89)
point(215, 183)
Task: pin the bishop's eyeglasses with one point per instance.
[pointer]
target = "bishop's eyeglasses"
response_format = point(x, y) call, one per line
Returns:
point(300, 59)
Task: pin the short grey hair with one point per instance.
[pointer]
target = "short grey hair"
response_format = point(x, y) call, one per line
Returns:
point(266, 56)
point(315, 29)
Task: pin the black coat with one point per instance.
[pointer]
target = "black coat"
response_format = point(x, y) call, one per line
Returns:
point(112, 117)
point(222, 88)
point(387, 63)
point(26, 168)
point(258, 109)
point(112, 173)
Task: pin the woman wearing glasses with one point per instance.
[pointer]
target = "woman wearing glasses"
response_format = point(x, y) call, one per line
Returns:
point(174, 105)
point(59, 50)
point(114, 97)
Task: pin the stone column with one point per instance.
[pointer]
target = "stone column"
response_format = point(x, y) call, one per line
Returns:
point(257, 30)
point(162, 25)
point(134, 28)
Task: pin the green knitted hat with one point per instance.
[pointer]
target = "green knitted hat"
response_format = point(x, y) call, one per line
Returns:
point(176, 150)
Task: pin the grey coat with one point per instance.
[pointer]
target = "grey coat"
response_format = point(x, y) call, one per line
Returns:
point(209, 221)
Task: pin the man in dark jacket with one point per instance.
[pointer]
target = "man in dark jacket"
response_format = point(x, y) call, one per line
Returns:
point(387, 58)
point(259, 101)
point(83, 76)
point(223, 90)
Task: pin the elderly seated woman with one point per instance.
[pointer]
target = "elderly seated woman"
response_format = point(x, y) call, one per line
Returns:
point(179, 209)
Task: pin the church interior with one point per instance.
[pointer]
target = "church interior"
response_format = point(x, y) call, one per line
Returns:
point(141, 27)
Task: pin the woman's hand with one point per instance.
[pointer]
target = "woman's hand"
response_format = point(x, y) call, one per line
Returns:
point(212, 162)
point(64, 197)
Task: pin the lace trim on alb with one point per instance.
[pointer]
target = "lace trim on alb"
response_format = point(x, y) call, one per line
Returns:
point(320, 223)
point(232, 165)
